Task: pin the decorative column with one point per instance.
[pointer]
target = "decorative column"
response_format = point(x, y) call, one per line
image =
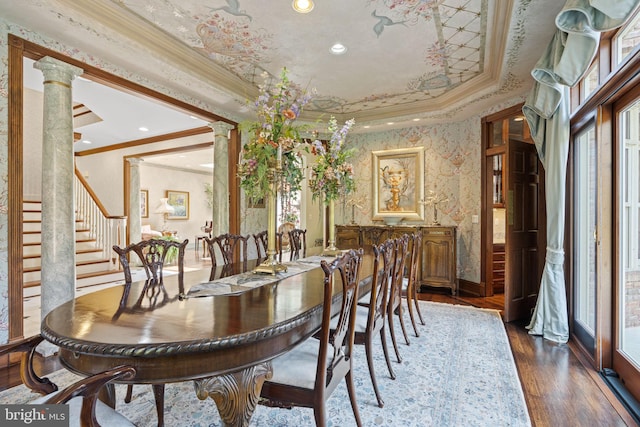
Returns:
point(58, 271)
point(220, 177)
point(135, 226)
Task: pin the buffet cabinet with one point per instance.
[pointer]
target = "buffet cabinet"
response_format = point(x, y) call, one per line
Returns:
point(437, 256)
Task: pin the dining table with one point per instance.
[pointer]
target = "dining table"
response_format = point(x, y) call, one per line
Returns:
point(219, 330)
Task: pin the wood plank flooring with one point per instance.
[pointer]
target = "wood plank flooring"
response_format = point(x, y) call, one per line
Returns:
point(558, 388)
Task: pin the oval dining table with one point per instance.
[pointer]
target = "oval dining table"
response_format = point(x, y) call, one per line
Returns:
point(224, 343)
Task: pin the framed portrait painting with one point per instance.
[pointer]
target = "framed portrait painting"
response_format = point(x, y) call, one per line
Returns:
point(179, 200)
point(398, 184)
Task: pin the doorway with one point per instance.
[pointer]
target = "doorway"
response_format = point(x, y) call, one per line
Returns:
point(19, 49)
point(513, 221)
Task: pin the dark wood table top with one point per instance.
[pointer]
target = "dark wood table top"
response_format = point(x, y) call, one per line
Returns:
point(170, 339)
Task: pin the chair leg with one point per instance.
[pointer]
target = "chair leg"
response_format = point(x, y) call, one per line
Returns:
point(319, 414)
point(158, 393)
point(383, 338)
point(409, 297)
point(392, 331)
point(352, 397)
point(415, 302)
point(401, 321)
point(127, 398)
point(368, 347)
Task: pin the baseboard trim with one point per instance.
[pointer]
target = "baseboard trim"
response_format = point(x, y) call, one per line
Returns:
point(469, 288)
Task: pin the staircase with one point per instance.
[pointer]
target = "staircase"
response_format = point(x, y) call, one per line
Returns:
point(92, 267)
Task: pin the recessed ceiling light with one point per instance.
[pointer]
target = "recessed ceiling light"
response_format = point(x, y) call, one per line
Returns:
point(143, 129)
point(302, 6)
point(391, 123)
point(86, 141)
point(366, 126)
point(416, 119)
point(518, 119)
point(338, 49)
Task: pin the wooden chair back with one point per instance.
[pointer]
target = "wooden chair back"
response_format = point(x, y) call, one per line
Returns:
point(86, 389)
point(298, 244)
point(233, 247)
point(336, 346)
point(261, 243)
point(153, 254)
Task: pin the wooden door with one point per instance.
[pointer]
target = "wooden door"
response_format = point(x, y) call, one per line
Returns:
point(522, 275)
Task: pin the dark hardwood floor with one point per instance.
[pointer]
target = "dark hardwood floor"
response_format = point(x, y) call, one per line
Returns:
point(559, 389)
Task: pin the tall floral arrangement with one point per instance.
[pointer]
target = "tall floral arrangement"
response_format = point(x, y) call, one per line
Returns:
point(273, 137)
point(332, 173)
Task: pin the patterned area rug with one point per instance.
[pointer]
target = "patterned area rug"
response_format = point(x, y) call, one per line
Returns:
point(459, 372)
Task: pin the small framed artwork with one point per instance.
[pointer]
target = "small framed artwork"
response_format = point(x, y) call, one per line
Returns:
point(257, 203)
point(179, 200)
point(398, 184)
point(144, 203)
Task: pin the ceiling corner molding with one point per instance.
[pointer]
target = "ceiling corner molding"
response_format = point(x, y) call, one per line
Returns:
point(160, 44)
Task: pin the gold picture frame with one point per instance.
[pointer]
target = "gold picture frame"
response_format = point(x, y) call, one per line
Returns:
point(398, 184)
point(144, 203)
point(179, 200)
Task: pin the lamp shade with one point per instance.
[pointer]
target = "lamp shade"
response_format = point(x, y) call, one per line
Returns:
point(164, 207)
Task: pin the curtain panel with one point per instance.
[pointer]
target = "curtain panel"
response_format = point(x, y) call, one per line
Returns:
point(562, 65)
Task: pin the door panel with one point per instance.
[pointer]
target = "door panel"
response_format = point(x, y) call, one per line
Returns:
point(522, 255)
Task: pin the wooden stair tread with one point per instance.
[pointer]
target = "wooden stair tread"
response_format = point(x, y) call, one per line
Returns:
point(79, 276)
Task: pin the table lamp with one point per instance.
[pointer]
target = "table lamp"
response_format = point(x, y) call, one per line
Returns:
point(165, 209)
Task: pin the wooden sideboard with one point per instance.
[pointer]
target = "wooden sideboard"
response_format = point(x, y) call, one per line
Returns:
point(437, 258)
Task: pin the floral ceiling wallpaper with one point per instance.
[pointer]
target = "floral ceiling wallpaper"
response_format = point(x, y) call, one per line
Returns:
point(447, 37)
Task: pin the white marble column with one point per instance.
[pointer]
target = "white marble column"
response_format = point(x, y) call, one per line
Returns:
point(58, 271)
point(135, 225)
point(220, 177)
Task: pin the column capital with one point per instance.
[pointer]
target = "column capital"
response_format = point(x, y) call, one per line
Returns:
point(55, 70)
point(135, 161)
point(220, 129)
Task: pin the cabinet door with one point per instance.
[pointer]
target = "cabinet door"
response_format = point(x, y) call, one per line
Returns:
point(347, 237)
point(438, 258)
point(374, 235)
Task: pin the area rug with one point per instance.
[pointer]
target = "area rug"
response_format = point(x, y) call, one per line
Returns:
point(459, 372)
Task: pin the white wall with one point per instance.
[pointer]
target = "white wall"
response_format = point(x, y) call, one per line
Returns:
point(157, 180)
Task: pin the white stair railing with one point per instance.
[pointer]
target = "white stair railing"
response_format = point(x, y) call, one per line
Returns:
point(107, 230)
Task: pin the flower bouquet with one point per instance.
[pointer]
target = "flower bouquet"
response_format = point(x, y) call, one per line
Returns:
point(274, 138)
point(332, 173)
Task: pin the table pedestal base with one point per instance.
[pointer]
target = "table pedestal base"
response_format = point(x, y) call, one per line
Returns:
point(236, 394)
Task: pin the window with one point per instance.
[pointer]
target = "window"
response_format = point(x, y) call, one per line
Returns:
point(627, 39)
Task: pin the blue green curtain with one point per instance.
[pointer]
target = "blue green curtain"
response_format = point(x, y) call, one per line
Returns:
point(563, 64)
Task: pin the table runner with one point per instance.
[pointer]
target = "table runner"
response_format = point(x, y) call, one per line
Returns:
point(246, 281)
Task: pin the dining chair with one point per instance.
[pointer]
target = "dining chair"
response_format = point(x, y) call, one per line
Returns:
point(394, 304)
point(372, 309)
point(308, 373)
point(85, 408)
point(410, 282)
point(262, 243)
point(233, 247)
point(153, 255)
point(297, 243)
